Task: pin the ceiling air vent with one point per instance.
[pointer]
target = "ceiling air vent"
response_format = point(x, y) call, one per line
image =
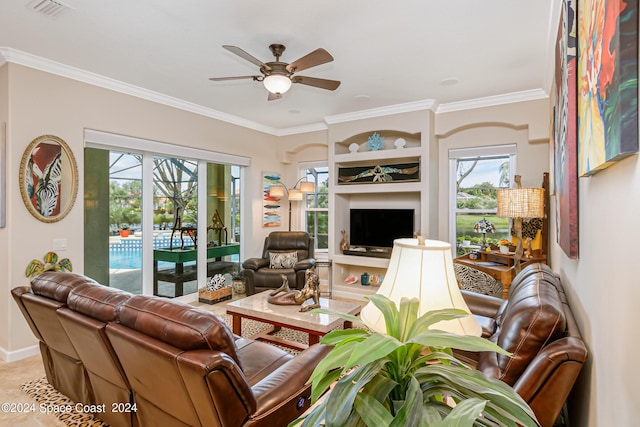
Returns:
point(48, 7)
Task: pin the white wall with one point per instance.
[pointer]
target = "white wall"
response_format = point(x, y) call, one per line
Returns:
point(524, 124)
point(604, 293)
point(37, 103)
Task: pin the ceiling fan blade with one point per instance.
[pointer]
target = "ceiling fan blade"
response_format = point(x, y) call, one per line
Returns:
point(219, 79)
point(314, 81)
point(242, 54)
point(274, 96)
point(317, 57)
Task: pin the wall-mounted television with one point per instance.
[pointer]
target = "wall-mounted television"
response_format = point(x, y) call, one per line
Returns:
point(378, 228)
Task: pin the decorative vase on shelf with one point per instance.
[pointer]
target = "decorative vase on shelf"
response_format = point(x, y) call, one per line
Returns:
point(504, 249)
point(344, 243)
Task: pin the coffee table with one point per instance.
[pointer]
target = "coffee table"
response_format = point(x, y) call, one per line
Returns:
point(257, 308)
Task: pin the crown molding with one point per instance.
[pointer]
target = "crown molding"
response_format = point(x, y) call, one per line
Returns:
point(46, 65)
point(296, 130)
point(408, 107)
point(492, 101)
point(39, 63)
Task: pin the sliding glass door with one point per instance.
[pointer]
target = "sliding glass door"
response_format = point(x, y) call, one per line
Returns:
point(118, 229)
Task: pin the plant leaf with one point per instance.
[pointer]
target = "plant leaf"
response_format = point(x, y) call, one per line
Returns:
point(410, 414)
point(376, 346)
point(464, 414)
point(336, 359)
point(407, 316)
point(371, 411)
point(339, 335)
point(389, 311)
point(504, 404)
point(438, 338)
point(430, 318)
point(340, 400)
point(315, 417)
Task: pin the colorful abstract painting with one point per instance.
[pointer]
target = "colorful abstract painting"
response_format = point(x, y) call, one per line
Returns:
point(271, 206)
point(608, 83)
point(565, 151)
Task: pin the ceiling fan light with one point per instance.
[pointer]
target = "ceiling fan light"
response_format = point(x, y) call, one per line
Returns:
point(277, 83)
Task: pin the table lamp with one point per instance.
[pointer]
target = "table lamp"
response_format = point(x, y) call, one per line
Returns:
point(483, 226)
point(422, 269)
point(518, 203)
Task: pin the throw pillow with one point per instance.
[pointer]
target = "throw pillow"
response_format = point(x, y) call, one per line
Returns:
point(282, 259)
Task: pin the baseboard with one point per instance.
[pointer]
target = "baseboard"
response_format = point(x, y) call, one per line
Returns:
point(23, 353)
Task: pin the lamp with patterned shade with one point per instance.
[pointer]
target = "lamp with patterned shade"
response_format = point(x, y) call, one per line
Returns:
point(483, 226)
point(518, 203)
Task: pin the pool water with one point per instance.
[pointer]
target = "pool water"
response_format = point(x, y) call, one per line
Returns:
point(125, 260)
point(132, 260)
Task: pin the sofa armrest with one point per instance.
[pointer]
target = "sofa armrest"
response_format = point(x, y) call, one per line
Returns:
point(548, 380)
point(304, 264)
point(482, 305)
point(255, 263)
point(213, 376)
point(285, 394)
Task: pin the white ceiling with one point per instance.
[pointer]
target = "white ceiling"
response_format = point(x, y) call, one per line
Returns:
point(388, 54)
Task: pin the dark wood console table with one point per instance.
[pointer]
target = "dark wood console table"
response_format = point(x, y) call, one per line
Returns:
point(181, 274)
point(499, 266)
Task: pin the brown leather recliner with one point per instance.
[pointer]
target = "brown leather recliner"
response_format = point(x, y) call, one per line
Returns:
point(90, 308)
point(39, 304)
point(536, 325)
point(185, 367)
point(260, 274)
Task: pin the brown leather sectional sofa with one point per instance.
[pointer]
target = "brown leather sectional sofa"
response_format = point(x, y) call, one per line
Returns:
point(156, 362)
point(536, 325)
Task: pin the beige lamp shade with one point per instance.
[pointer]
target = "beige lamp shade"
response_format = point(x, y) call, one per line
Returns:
point(424, 272)
point(276, 190)
point(520, 202)
point(295, 194)
point(307, 187)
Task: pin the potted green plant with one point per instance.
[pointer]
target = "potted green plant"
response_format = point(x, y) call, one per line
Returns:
point(409, 376)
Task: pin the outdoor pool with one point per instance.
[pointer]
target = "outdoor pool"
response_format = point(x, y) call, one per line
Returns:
point(131, 259)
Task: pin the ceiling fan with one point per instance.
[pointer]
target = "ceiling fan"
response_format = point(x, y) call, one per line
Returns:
point(278, 76)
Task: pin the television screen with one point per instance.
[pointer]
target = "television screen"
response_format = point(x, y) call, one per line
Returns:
point(380, 227)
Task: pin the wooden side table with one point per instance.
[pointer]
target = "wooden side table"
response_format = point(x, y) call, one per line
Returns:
point(499, 266)
point(325, 262)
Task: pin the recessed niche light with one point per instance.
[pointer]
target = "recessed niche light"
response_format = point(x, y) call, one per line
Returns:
point(449, 82)
point(362, 98)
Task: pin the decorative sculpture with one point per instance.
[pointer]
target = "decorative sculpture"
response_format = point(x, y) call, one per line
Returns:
point(51, 262)
point(285, 296)
point(178, 227)
point(344, 243)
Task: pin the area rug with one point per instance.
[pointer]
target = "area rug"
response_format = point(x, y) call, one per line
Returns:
point(43, 393)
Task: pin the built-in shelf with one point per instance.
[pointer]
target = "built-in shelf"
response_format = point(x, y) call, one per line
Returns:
point(402, 154)
point(378, 188)
point(361, 261)
point(407, 194)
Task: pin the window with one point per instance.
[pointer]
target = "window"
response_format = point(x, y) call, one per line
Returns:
point(475, 174)
point(148, 192)
point(316, 205)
